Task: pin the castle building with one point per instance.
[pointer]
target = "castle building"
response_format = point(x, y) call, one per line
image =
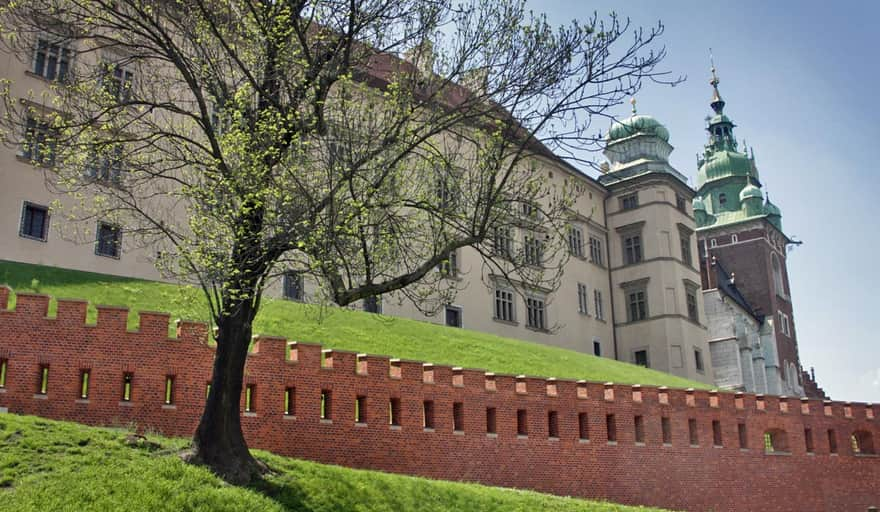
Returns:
point(742, 246)
point(642, 284)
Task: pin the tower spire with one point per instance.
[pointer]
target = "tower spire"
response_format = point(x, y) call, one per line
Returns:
point(717, 103)
point(632, 102)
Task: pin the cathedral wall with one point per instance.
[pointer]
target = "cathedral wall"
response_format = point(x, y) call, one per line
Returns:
point(679, 449)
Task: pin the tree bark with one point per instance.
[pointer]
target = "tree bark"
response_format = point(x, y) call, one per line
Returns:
point(219, 441)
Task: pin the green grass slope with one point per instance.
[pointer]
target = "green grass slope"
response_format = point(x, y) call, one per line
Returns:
point(52, 465)
point(341, 329)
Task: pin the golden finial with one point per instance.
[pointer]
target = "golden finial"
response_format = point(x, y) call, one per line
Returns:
point(632, 102)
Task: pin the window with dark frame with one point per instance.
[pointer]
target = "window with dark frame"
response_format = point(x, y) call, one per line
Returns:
point(503, 241)
point(629, 202)
point(106, 165)
point(640, 358)
point(292, 285)
point(34, 222)
point(449, 266)
point(680, 203)
point(453, 316)
point(686, 250)
point(504, 305)
point(118, 81)
point(597, 349)
point(638, 305)
point(596, 255)
point(598, 309)
point(536, 313)
point(108, 240)
point(632, 249)
point(583, 295)
point(533, 250)
point(691, 297)
point(39, 142)
point(52, 59)
point(576, 241)
point(698, 359)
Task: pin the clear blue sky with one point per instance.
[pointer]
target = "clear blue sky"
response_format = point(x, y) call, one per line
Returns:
point(799, 79)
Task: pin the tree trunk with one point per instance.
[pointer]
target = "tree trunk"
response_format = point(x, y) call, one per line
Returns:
point(219, 442)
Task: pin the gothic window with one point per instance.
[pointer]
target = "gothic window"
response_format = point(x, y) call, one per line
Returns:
point(777, 275)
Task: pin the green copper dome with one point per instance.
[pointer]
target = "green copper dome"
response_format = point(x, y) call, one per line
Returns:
point(751, 191)
point(721, 163)
point(698, 204)
point(637, 124)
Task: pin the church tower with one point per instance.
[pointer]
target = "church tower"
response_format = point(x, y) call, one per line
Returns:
point(743, 249)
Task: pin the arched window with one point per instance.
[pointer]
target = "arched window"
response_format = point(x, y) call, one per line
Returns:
point(777, 275)
point(862, 442)
point(775, 441)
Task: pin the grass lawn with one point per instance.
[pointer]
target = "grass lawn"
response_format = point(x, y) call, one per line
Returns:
point(53, 465)
point(340, 328)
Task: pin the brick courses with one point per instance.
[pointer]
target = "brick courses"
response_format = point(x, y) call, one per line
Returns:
point(677, 475)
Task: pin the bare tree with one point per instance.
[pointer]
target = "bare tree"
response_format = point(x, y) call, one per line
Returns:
point(361, 142)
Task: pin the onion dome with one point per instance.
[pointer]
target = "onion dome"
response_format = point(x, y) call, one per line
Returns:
point(750, 192)
point(637, 124)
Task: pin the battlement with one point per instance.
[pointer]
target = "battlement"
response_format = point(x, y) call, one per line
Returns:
point(572, 437)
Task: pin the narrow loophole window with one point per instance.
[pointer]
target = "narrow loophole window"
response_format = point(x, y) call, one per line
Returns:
point(611, 428)
point(692, 432)
point(360, 409)
point(428, 414)
point(666, 430)
point(394, 412)
point(289, 401)
point(808, 439)
point(832, 441)
point(326, 404)
point(3, 365)
point(84, 384)
point(490, 420)
point(522, 428)
point(458, 417)
point(250, 398)
point(43, 384)
point(207, 390)
point(169, 389)
point(743, 437)
point(639, 427)
point(716, 433)
point(583, 426)
point(552, 424)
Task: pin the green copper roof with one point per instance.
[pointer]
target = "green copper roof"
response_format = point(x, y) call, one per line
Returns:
point(698, 204)
point(637, 124)
point(722, 163)
point(772, 209)
point(750, 192)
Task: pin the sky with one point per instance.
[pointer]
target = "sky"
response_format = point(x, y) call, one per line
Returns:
point(799, 80)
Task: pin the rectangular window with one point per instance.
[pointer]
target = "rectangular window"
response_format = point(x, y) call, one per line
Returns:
point(716, 433)
point(522, 428)
point(169, 389)
point(117, 81)
point(292, 285)
point(43, 383)
point(504, 305)
point(596, 255)
point(326, 404)
point(458, 417)
point(250, 398)
point(598, 307)
point(84, 376)
point(536, 310)
point(640, 357)
point(39, 143)
point(127, 379)
point(686, 251)
point(629, 202)
point(666, 430)
point(639, 427)
point(680, 203)
point(34, 222)
point(428, 414)
point(290, 401)
point(743, 437)
point(632, 249)
point(502, 242)
point(638, 305)
point(583, 426)
point(449, 266)
point(51, 60)
point(490, 420)
point(533, 250)
point(4, 364)
point(693, 312)
point(597, 348)
point(693, 435)
point(108, 240)
point(394, 412)
point(698, 360)
point(552, 424)
point(583, 299)
point(611, 428)
point(808, 439)
point(360, 409)
point(106, 164)
point(832, 441)
point(453, 316)
point(576, 241)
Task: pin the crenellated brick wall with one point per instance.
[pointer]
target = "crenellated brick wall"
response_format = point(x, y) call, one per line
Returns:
point(697, 464)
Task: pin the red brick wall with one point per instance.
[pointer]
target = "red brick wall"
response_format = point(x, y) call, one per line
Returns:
point(677, 476)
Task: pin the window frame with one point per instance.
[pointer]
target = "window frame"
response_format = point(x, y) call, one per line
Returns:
point(629, 201)
point(117, 254)
point(576, 240)
point(596, 254)
point(598, 305)
point(299, 288)
point(536, 312)
point(583, 295)
point(502, 297)
point(26, 205)
point(458, 310)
